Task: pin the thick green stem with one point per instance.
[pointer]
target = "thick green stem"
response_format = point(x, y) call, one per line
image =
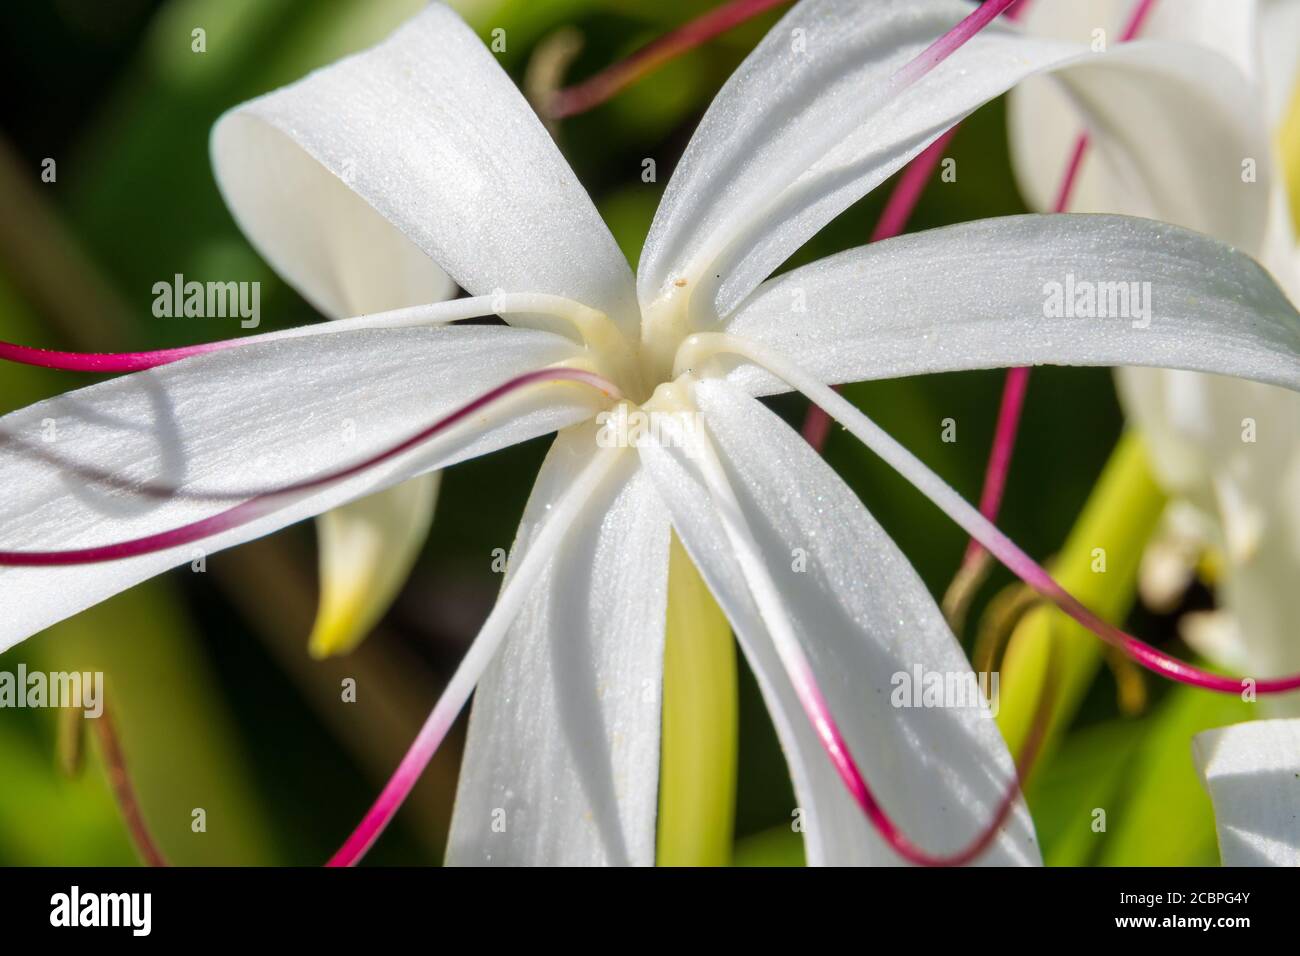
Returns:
point(697, 776)
point(1099, 565)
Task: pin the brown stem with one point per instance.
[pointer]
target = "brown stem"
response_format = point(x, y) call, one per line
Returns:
point(596, 90)
point(110, 749)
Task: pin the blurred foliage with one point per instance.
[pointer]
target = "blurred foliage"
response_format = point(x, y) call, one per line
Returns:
point(218, 706)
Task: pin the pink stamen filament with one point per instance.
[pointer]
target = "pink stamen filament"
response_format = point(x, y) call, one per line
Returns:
point(264, 500)
point(952, 41)
point(108, 362)
point(1017, 379)
point(1004, 444)
point(819, 714)
point(609, 81)
point(395, 791)
point(428, 315)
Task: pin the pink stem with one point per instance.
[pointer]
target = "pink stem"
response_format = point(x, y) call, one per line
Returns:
point(952, 41)
point(609, 81)
point(907, 192)
point(395, 792)
point(1137, 20)
point(108, 361)
point(1017, 379)
point(1004, 443)
point(1037, 577)
point(1066, 190)
point(262, 501)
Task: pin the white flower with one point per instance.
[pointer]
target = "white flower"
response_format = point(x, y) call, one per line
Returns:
point(1228, 450)
point(444, 157)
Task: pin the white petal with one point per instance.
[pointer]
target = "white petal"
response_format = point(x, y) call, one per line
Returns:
point(256, 417)
point(887, 310)
point(1251, 771)
point(862, 616)
point(367, 548)
point(810, 122)
point(563, 745)
point(422, 140)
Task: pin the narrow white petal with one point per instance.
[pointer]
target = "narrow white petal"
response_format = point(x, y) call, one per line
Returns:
point(257, 417)
point(419, 145)
point(863, 618)
point(811, 121)
point(1251, 771)
point(366, 549)
point(562, 762)
point(885, 310)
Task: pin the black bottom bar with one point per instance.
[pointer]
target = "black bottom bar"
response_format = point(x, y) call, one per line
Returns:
point(367, 905)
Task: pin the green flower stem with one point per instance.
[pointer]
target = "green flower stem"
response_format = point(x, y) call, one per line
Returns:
point(1119, 518)
point(697, 769)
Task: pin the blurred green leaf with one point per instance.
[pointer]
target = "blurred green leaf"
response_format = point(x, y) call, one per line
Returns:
point(1166, 818)
point(1086, 774)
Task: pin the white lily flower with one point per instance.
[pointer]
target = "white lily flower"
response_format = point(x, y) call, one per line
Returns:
point(424, 140)
point(1252, 773)
point(1225, 448)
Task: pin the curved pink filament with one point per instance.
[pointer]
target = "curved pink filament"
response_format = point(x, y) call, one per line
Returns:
point(1004, 443)
point(108, 362)
point(818, 711)
point(395, 792)
point(1150, 657)
point(261, 501)
point(952, 41)
point(1040, 579)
